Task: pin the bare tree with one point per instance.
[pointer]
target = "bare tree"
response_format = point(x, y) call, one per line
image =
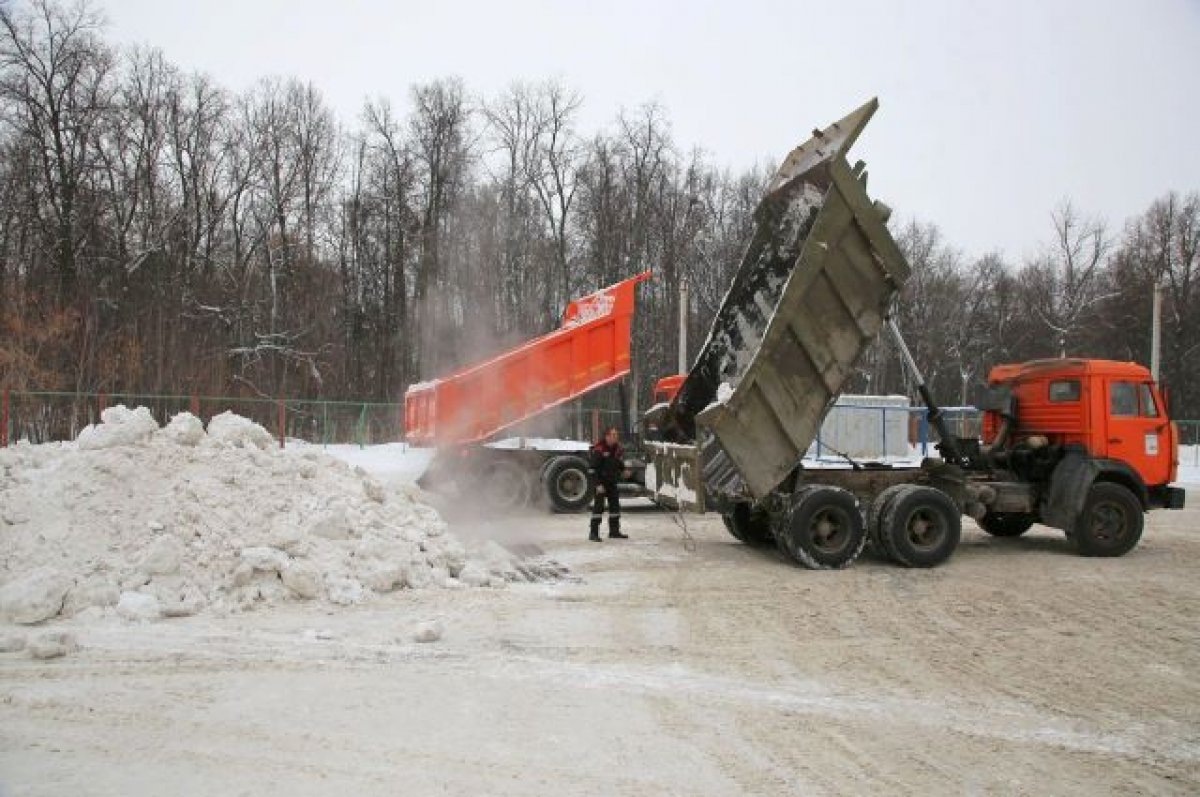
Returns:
point(392, 179)
point(1067, 281)
point(440, 143)
point(55, 89)
point(1162, 246)
point(555, 171)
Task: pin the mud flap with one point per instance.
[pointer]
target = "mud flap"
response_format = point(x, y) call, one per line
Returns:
point(1069, 485)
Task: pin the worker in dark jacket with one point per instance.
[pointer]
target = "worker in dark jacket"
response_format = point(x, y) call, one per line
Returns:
point(607, 466)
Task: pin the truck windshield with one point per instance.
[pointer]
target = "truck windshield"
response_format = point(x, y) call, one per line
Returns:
point(1149, 410)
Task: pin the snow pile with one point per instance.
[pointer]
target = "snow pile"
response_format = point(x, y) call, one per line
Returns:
point(147, 522)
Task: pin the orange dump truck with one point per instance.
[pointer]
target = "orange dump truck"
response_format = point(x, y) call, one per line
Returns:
point(1084, 446)
point(462, 414)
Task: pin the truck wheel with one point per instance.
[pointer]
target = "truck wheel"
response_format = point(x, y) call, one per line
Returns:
point(568, 485)
point(824, 528)
point(1111, 522)
point(920, 526)
point(749, 526)
point(879, 540)
point(1005, 524)
point(505, 486)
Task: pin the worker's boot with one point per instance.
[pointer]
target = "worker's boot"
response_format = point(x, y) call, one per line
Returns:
point(594, 536)
point(614, 528)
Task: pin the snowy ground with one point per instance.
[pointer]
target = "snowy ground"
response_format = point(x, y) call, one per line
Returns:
point(658, 668)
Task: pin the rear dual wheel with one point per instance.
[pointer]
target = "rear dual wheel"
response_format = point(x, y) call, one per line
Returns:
point(823, 529)
point(749, 525)
point(568, 485)
point(915, 526)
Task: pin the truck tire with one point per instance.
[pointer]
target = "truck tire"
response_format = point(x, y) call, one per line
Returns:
point(920, 526)
point(1005, 524)
point(824, 529)
point(568, 484)
point(1111, 521)
point(875, 517)
point(752, 527)
point(505, 485)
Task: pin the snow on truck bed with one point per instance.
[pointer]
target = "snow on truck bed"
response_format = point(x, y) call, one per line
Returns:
point(149, 522)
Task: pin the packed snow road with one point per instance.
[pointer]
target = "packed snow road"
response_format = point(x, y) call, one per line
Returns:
point(1016, 668)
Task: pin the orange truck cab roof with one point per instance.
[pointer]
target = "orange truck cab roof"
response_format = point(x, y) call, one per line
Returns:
point(1066, 367)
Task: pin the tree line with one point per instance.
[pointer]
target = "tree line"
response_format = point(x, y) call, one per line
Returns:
point(162, 234)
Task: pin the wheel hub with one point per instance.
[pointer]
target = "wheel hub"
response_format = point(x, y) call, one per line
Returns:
point(924, 531)
point(572, 485)
point(1108, 522)
point(828, 530)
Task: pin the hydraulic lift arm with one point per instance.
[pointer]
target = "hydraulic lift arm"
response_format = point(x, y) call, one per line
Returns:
point(949, 444)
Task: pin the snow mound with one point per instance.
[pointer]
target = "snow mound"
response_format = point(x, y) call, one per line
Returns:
point(118, 427)
point(234, 430)
point(142, 523)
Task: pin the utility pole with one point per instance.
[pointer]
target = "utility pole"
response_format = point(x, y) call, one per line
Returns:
point(1156, 330)
point(683, 318)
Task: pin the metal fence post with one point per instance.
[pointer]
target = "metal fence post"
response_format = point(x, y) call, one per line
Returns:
point(195, 405)
point(4, 420)
point(362, 421)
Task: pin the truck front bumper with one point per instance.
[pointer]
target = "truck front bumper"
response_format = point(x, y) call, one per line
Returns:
point(1173, 497)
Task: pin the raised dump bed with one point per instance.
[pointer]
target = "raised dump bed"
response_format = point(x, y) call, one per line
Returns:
point(590, 350)
point(811, 293)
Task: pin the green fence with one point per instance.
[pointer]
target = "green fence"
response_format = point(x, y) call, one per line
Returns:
point(42, 416)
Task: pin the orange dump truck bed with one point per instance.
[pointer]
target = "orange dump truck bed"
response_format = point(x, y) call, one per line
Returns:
point(590, 350)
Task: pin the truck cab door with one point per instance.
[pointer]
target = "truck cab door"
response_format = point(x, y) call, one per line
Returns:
point(1138, 430)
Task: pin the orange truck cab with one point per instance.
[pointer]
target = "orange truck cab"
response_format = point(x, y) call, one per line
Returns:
point(1109, 417)
point(666, 388)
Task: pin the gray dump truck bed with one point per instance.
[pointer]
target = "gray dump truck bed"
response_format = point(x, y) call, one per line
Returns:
point(811, 293)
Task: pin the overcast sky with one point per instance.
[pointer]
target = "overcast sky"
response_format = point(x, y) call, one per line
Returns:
point(991, 113)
